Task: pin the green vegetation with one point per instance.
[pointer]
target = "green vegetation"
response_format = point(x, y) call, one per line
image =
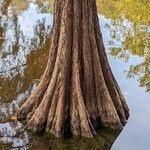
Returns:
point(130, 25)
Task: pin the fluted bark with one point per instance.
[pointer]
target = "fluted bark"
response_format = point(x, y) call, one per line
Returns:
point(77, 90)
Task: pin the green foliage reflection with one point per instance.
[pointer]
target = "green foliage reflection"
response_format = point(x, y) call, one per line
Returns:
point(130, 26)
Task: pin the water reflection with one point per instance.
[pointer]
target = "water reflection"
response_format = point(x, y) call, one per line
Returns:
point(129, 31)
point(14, 136)
point(24, 48)
point(24, 43)
point(11, 134)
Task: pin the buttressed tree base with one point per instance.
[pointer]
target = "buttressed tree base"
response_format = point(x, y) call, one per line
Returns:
point(77, 92)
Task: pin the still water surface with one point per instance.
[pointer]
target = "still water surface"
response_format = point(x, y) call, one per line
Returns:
point(24, 42)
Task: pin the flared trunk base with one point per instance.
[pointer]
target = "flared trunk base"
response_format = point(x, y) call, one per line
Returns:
point(77, 92)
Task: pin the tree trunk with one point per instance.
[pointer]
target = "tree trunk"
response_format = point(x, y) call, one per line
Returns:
point(77, 92)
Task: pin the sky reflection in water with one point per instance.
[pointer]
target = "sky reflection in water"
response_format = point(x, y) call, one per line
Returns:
point(24, 43)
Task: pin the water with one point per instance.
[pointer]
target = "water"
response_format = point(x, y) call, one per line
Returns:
point(24, 44)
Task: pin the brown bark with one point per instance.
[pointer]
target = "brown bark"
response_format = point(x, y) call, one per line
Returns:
point(78, 90)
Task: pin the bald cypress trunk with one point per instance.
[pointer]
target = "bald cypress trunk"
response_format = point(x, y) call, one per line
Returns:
point(77, 91)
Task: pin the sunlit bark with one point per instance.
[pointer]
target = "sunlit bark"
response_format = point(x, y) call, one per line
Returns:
point(77, 92)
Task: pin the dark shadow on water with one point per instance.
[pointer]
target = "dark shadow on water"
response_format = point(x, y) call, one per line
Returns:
point(24, 46)
point(13, 136)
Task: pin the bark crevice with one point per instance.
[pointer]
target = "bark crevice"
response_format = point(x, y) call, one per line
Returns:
point(77, 92)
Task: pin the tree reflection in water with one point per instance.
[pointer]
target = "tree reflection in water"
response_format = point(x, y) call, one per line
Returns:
point(24, 48)
point(14, 136)
point(24, 43)
point(129, 29)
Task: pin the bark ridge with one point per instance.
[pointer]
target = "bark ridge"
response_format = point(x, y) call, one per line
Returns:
point(77, 92)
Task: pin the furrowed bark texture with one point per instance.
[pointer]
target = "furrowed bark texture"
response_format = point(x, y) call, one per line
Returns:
point(77, 92)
